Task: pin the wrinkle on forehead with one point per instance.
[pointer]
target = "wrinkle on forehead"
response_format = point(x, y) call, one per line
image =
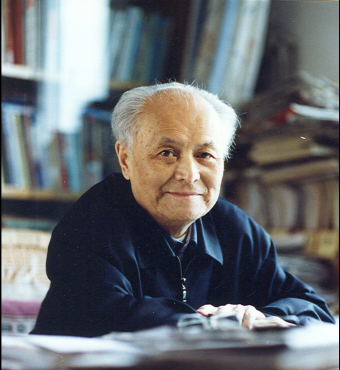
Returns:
point(174, 97)
point(188, 112)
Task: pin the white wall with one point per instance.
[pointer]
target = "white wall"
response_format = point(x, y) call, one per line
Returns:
point(316, 27)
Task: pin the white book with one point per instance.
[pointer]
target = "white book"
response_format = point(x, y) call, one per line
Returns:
point(326, 114)
point(11, 122)
point(31, 33)
point(302, 171)
point(118, 26)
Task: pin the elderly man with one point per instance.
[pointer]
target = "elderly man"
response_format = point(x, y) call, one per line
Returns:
point(144, 247)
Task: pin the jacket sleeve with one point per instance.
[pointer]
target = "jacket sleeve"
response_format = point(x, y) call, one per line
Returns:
point(257, 278)
point(279, 293)
point(90, 296)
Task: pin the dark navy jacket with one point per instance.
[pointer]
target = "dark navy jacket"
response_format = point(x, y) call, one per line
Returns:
point(111, 268)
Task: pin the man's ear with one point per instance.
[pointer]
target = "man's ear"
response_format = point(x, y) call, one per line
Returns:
point(124, 157)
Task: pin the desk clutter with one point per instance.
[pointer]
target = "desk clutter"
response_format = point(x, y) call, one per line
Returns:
point(192, 347)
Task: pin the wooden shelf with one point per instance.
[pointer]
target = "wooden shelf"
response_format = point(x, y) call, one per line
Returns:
point(21, 71)
point(24, 72)
point(9, 192)
point(124, 85)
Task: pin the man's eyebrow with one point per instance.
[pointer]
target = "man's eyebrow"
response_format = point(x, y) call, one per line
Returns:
point(209, 145)
point(166, 141)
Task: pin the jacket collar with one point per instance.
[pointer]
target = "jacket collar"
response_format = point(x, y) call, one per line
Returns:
point(208, 239)
point(154, 247)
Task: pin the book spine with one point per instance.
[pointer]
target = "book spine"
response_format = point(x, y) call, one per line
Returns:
point(208, 41)
point(61, 150)
point(8, 31)
point(119, 18)
point(73, 162)
point(163, 42)
point(142, 50)
point(11, 116)
point(232, 81)
point(31, 24)
point(6, 148)
point(156, 50)
point(146, 64)
point(224, 47)
point(23, 150)
point(17, 13)
point(126, 63)
point(192, 36)
point(255, 48)
point(27, 132)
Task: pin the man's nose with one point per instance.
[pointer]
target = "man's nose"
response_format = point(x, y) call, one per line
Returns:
point(187, 170)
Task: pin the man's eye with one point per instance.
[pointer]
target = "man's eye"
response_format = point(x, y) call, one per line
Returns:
point(205, 155)
point(167, 153)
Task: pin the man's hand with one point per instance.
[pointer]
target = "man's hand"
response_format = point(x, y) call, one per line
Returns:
point(247, 316)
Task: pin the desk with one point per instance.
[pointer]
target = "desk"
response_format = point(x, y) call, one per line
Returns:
point(167, 348)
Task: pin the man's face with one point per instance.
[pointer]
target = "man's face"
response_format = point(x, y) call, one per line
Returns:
point(176, 164)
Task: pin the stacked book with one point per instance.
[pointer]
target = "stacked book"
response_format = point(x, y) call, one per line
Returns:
point(290, 144)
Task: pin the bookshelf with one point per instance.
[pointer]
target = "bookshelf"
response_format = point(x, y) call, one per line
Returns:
point(185, 29)
point(34, 77)
point(9, 192)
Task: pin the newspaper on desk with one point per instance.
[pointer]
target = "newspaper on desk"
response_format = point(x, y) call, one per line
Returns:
point(196, 344)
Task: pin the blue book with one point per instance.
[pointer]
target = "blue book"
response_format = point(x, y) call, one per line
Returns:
point(162, 47)
point(74, 162)
point(148, 55)
point(8, 146)
point(224, 46)
point(155, 50)
point(130, 44)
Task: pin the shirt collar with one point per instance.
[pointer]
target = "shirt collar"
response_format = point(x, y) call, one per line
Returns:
point(193, 237)
point(204, 236)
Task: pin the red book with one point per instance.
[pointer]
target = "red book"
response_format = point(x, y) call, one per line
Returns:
point(17, 23)
point(63, 167)
point(8, 26)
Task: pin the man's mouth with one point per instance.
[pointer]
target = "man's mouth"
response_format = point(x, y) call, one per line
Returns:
point(184, 194)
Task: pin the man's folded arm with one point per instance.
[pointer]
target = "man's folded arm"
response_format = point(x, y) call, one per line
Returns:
point(90, 297)
point(282, 294)
point(299, 311)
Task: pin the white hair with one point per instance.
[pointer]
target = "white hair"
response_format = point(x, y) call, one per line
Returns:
point(125, 114)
